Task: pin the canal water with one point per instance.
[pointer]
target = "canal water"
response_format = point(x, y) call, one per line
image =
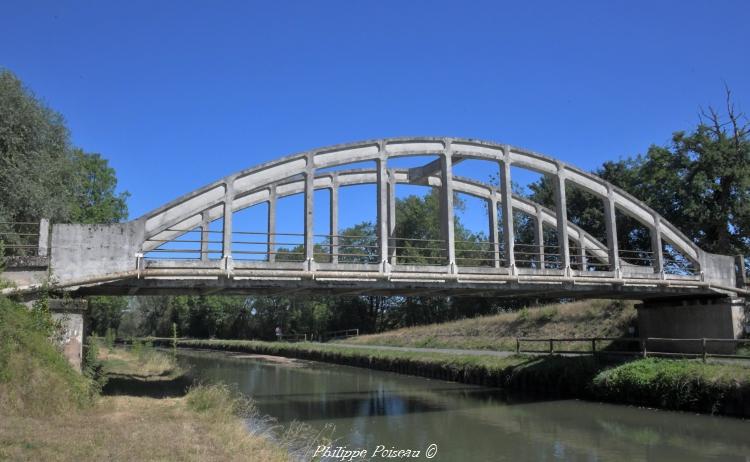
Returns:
point(463, 422)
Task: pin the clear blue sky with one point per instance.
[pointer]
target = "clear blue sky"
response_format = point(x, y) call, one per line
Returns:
point(178, 94)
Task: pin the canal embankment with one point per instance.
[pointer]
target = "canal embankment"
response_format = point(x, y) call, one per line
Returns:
point(674, 384)
point(48, 411)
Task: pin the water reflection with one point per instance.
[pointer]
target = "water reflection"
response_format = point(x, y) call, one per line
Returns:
point(370, 408)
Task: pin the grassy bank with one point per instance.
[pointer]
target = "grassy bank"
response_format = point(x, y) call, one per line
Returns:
point(50, 412)
point(140, 362)
point(132, 428)
point(590, 318)
point(686, 385)
point(677, 384)
point(35, 379)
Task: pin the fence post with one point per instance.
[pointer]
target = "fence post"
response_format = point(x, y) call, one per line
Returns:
point(551, 341)
point(518, 345)
point(703, 342)
point(593, 345)
point(643, 347)
point(43, 243)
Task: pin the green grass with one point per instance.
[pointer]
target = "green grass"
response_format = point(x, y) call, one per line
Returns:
point(676, 384)
point(590, 318)
point(140, 361)
point(35, 378)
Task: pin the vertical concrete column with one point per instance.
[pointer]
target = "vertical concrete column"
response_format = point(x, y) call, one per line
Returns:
point(539, 235)
point(446, 205)
point(741, 275)
point(509, 237)
point(334, 223)
point(382, 228)
point(205, 235)
point(43, 244)
point(227, 226)
point(562, 218)
point(309, 225)
point(392, 216)
point(582, 249)
point(657, 260)
point(271, 224)
point(610, 221)
point(493, 224)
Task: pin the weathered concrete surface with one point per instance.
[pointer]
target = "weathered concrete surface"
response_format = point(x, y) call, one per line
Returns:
point(721, 318)
point(70, 313)
point(83, 251)
point(25, 271)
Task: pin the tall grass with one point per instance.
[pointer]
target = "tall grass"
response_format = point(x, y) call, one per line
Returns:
point(35, 378)
point(221, 404)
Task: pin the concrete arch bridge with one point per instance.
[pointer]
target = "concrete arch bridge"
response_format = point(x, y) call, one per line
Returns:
point(191, 245)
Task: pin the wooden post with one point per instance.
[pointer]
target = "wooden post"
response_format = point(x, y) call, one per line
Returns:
point(593, 345)
point(703, 342)
point(551, 342)
point(518, 345)
point(644, 353)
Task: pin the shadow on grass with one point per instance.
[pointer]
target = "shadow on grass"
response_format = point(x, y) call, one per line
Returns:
point(158, 387)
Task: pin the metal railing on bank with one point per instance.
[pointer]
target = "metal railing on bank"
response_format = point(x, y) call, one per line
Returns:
point(649, 346)
point(339, 334)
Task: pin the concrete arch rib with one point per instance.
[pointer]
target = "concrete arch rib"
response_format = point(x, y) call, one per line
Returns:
point(251, 185)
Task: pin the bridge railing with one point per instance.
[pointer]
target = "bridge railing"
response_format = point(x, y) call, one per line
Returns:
point(344, 248)
point(24, 239)
point(648, 346)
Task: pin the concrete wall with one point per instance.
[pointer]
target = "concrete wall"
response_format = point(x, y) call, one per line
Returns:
point(26, 271)
point(719, 269)
point(722, 318)
point(82, 251)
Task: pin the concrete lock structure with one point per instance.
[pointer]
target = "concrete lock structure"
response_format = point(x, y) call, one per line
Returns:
point(191, 246)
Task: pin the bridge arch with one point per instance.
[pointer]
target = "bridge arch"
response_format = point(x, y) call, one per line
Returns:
point(297, 173)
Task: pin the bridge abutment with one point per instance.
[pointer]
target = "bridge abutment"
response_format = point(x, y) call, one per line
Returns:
point(718, 318)
point(71, 316)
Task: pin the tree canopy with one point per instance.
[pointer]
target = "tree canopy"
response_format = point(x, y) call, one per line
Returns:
point(41, 174)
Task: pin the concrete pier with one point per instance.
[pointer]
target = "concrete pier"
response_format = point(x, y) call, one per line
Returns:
point(71, 315)
point(718, 318)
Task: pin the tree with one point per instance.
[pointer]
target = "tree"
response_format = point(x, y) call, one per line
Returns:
point(700, 183)
point(41, 174)
point(35, 167)
point(94, 199)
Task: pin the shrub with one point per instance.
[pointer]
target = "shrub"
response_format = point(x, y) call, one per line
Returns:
point(523, 315)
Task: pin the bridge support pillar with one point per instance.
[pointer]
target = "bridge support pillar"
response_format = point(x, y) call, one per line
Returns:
point(719, 318)
point(71, 316)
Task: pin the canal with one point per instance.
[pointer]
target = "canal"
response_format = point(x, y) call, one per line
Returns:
point(465, 423)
